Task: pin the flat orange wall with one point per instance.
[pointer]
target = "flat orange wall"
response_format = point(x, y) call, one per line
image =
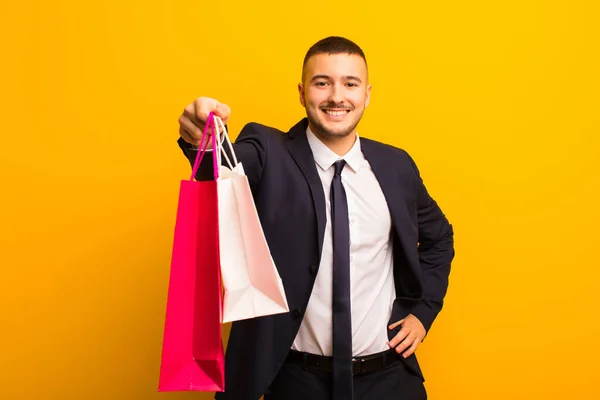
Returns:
point(497, 101)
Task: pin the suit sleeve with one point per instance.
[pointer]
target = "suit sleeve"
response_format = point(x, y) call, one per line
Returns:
point(436, 252)
point(250, 149)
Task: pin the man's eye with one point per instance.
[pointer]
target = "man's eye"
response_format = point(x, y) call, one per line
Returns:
point(321, 83)
point(351, 84)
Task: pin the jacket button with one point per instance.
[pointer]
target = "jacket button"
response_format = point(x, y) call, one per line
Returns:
point(314, 269)
point(295, 313)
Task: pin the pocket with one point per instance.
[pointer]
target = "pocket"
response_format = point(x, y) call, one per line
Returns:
point(412, 365)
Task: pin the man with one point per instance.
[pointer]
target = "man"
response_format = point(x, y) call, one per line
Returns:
point(363, 251)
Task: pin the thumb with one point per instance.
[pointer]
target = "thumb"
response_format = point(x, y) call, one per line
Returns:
point(395, 324)
point(222, 111)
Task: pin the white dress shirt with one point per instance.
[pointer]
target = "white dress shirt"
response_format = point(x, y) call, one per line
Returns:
point(371, 263)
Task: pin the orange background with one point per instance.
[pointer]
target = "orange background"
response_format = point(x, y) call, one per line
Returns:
point(498, 103)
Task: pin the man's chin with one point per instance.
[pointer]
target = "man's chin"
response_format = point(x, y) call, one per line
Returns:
point(338, 132)
point(335, 130)
point(331, 129)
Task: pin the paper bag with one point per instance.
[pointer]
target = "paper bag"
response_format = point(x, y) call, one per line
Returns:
point(192, 352)
point(252, 285)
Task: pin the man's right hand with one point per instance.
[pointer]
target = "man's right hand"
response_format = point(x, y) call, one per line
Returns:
point(194, 116)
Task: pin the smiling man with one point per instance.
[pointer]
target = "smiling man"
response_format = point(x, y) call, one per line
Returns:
point(363, 250)
point(335, 92)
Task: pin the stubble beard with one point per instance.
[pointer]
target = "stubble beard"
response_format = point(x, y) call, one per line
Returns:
point(320, 130)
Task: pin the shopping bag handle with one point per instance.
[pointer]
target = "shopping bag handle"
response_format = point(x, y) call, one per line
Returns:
point(218, 121)
point(209, 124)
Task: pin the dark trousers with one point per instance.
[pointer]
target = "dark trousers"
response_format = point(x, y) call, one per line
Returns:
point(394, 382)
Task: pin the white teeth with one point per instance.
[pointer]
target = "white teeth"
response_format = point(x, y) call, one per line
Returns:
point(335, 113)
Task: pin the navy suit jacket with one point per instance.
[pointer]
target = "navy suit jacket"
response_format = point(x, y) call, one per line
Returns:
point(290, 202)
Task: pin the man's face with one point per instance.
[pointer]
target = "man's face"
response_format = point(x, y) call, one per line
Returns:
point(334, 93)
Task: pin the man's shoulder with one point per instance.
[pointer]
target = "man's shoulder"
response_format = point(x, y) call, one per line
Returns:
point(263, 132)
point(262, 128)
point(260, 131)
point(383, 149)
point(390, 155)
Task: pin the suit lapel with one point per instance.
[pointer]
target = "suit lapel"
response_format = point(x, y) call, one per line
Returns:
point(405, 227)
point(383, 175)
point(302, 154)
point(389, 182)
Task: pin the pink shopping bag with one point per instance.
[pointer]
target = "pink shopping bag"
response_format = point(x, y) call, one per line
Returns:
point(192, 352)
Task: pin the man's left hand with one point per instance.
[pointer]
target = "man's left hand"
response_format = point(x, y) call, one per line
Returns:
point(409, 337)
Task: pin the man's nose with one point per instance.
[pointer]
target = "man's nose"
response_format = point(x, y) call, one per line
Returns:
point(336, 95)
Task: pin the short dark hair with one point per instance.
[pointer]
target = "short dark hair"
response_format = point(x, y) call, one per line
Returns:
point(333, 45)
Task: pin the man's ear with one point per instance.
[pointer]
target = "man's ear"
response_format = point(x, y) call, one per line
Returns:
point(301, 93)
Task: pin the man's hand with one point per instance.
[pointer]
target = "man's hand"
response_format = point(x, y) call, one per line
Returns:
point(409, 337)
point(194, 116)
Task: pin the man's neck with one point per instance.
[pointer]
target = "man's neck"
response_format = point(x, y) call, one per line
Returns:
point(340, 145)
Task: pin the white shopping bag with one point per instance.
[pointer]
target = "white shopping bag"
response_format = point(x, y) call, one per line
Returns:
point(252, 286)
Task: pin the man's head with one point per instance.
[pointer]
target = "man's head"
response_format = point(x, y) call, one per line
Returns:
point(335, 88)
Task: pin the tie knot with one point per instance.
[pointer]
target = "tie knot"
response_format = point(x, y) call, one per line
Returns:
point(339, 166)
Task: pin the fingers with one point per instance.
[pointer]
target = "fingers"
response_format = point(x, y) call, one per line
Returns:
point(203, 106)
point(408, 338)
point(406, 343)
point(190, 113)
point(411, 349)
point(185, 135)
point(222, 111)
point(398, 338)
point(394, 325)
point(189, 130)
point(192, 121)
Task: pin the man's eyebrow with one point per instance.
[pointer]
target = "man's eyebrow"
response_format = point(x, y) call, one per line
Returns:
point(346, 78)
point(314, 78)
point(352, 78)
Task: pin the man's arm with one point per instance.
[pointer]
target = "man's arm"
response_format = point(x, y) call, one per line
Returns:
point(436, 252)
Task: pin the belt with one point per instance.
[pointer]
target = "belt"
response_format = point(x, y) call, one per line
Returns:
point(360, 365)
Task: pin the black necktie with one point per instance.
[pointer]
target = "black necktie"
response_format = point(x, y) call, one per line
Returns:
point(342, 324)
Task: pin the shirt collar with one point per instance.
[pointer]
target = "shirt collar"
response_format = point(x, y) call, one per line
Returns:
point(325, 158)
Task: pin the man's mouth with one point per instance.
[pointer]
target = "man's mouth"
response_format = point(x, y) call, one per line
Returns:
point(335, 113)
